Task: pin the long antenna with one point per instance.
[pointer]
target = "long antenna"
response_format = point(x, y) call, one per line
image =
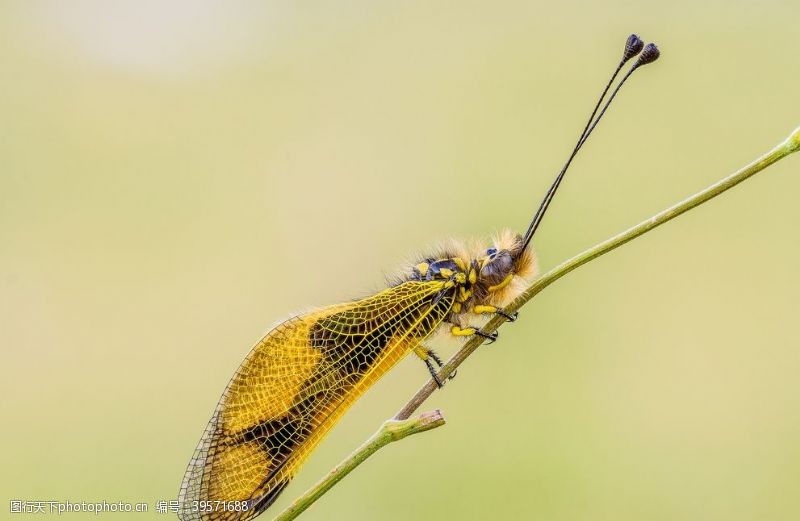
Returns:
point(633, 46)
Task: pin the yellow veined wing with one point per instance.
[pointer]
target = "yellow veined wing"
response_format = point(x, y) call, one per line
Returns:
point(292, 387)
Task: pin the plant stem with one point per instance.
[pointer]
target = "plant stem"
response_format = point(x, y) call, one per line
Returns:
point(789, 145)
point(391, 430)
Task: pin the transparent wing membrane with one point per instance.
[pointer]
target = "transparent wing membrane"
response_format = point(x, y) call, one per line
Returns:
point(292, 387)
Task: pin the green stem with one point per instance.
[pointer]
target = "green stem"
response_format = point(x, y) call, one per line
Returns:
point(789, 145)
point(401, 426)
point(390, 431)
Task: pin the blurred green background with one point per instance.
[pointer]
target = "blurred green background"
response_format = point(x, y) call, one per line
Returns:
point(175, 178)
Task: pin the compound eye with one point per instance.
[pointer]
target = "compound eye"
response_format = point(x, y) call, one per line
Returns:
point(491, 251)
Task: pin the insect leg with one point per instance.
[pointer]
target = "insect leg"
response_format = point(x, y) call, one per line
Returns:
point(427, 354)
point(470, 331)
point(480, 310)
point(435, 377)
point(439, 362)
point(510, 317)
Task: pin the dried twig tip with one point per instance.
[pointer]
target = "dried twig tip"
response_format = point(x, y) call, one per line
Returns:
point(649, 54)
point(633, 46)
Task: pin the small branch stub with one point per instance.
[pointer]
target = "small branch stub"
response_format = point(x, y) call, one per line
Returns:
point(390, 431)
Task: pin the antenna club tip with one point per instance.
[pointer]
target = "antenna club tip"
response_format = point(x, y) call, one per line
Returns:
point(649, 54)
point(633, 46)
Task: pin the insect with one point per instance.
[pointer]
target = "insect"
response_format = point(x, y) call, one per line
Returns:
point(299, 380)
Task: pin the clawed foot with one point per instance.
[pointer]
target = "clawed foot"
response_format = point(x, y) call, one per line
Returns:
point(491, 337)
point(485, 309)
point(510, 317)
